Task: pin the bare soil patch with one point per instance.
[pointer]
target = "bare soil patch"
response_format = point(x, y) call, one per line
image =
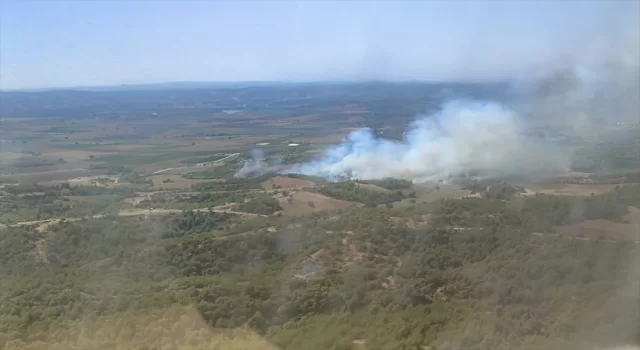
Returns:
point(299, 204)
point(286, 182)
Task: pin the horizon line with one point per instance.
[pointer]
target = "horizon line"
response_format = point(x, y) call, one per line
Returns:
point(229, 84)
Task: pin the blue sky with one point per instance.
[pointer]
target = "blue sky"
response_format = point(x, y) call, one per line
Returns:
point(86, 42)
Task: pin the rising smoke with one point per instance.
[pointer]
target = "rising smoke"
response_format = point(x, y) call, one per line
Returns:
point(463, 137)
point(258, 165)
point(578, 94)
point(576, 99)
point(254, 166)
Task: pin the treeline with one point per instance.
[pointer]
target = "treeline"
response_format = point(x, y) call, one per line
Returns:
point(540, 212)
point(492, 188)
point(351, 191)
point(67, 189)
point(391, 184)
point(316, 179)
point(192, 201)
point(263, 204)
point(229, 185)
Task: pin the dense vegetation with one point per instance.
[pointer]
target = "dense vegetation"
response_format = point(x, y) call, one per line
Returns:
point(229, 185)
point(264, 205)
point(496, 270)
point(34, 202)
point(474, 277)
point(351, 191)
point(390, 183)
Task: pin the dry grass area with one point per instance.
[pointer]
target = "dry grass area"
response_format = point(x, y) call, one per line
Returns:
point(74, 155)
point(136, 200)
point(286, 182)
point(411, 222)
point(86, 199)
point(8, 157)
point(174, 167)
point(94, 180)
point(180, 328)
point(354, 109)
point(216, 144)
point(566, 189)
point(628, 229)
point(299, 204)
point(336, 137)
point(124, 148)
point(45, 177)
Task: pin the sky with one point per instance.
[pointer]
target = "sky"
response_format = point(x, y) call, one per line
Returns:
point(85, 42)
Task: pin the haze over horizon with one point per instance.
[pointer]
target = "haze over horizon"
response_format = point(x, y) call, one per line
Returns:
point(68, 44)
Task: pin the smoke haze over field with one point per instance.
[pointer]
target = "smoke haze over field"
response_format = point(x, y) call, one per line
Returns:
point(461, 138)
point(577, 96)
point(576, 90)
point(254, 166)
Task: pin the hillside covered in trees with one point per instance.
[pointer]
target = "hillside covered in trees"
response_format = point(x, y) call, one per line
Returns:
point(479, 273)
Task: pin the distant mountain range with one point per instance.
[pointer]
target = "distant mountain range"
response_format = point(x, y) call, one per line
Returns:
point(274, 99)
point(178, 85)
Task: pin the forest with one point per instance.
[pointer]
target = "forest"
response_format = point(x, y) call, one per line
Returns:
point(475, 276)
point(352, 191)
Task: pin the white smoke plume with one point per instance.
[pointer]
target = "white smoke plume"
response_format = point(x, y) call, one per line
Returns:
point(581, 96)
point(463, 137)
point(254, 166)
point(258, 165)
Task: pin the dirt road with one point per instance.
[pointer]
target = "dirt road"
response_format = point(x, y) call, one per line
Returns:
point(193, 166)
point(43, 224)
